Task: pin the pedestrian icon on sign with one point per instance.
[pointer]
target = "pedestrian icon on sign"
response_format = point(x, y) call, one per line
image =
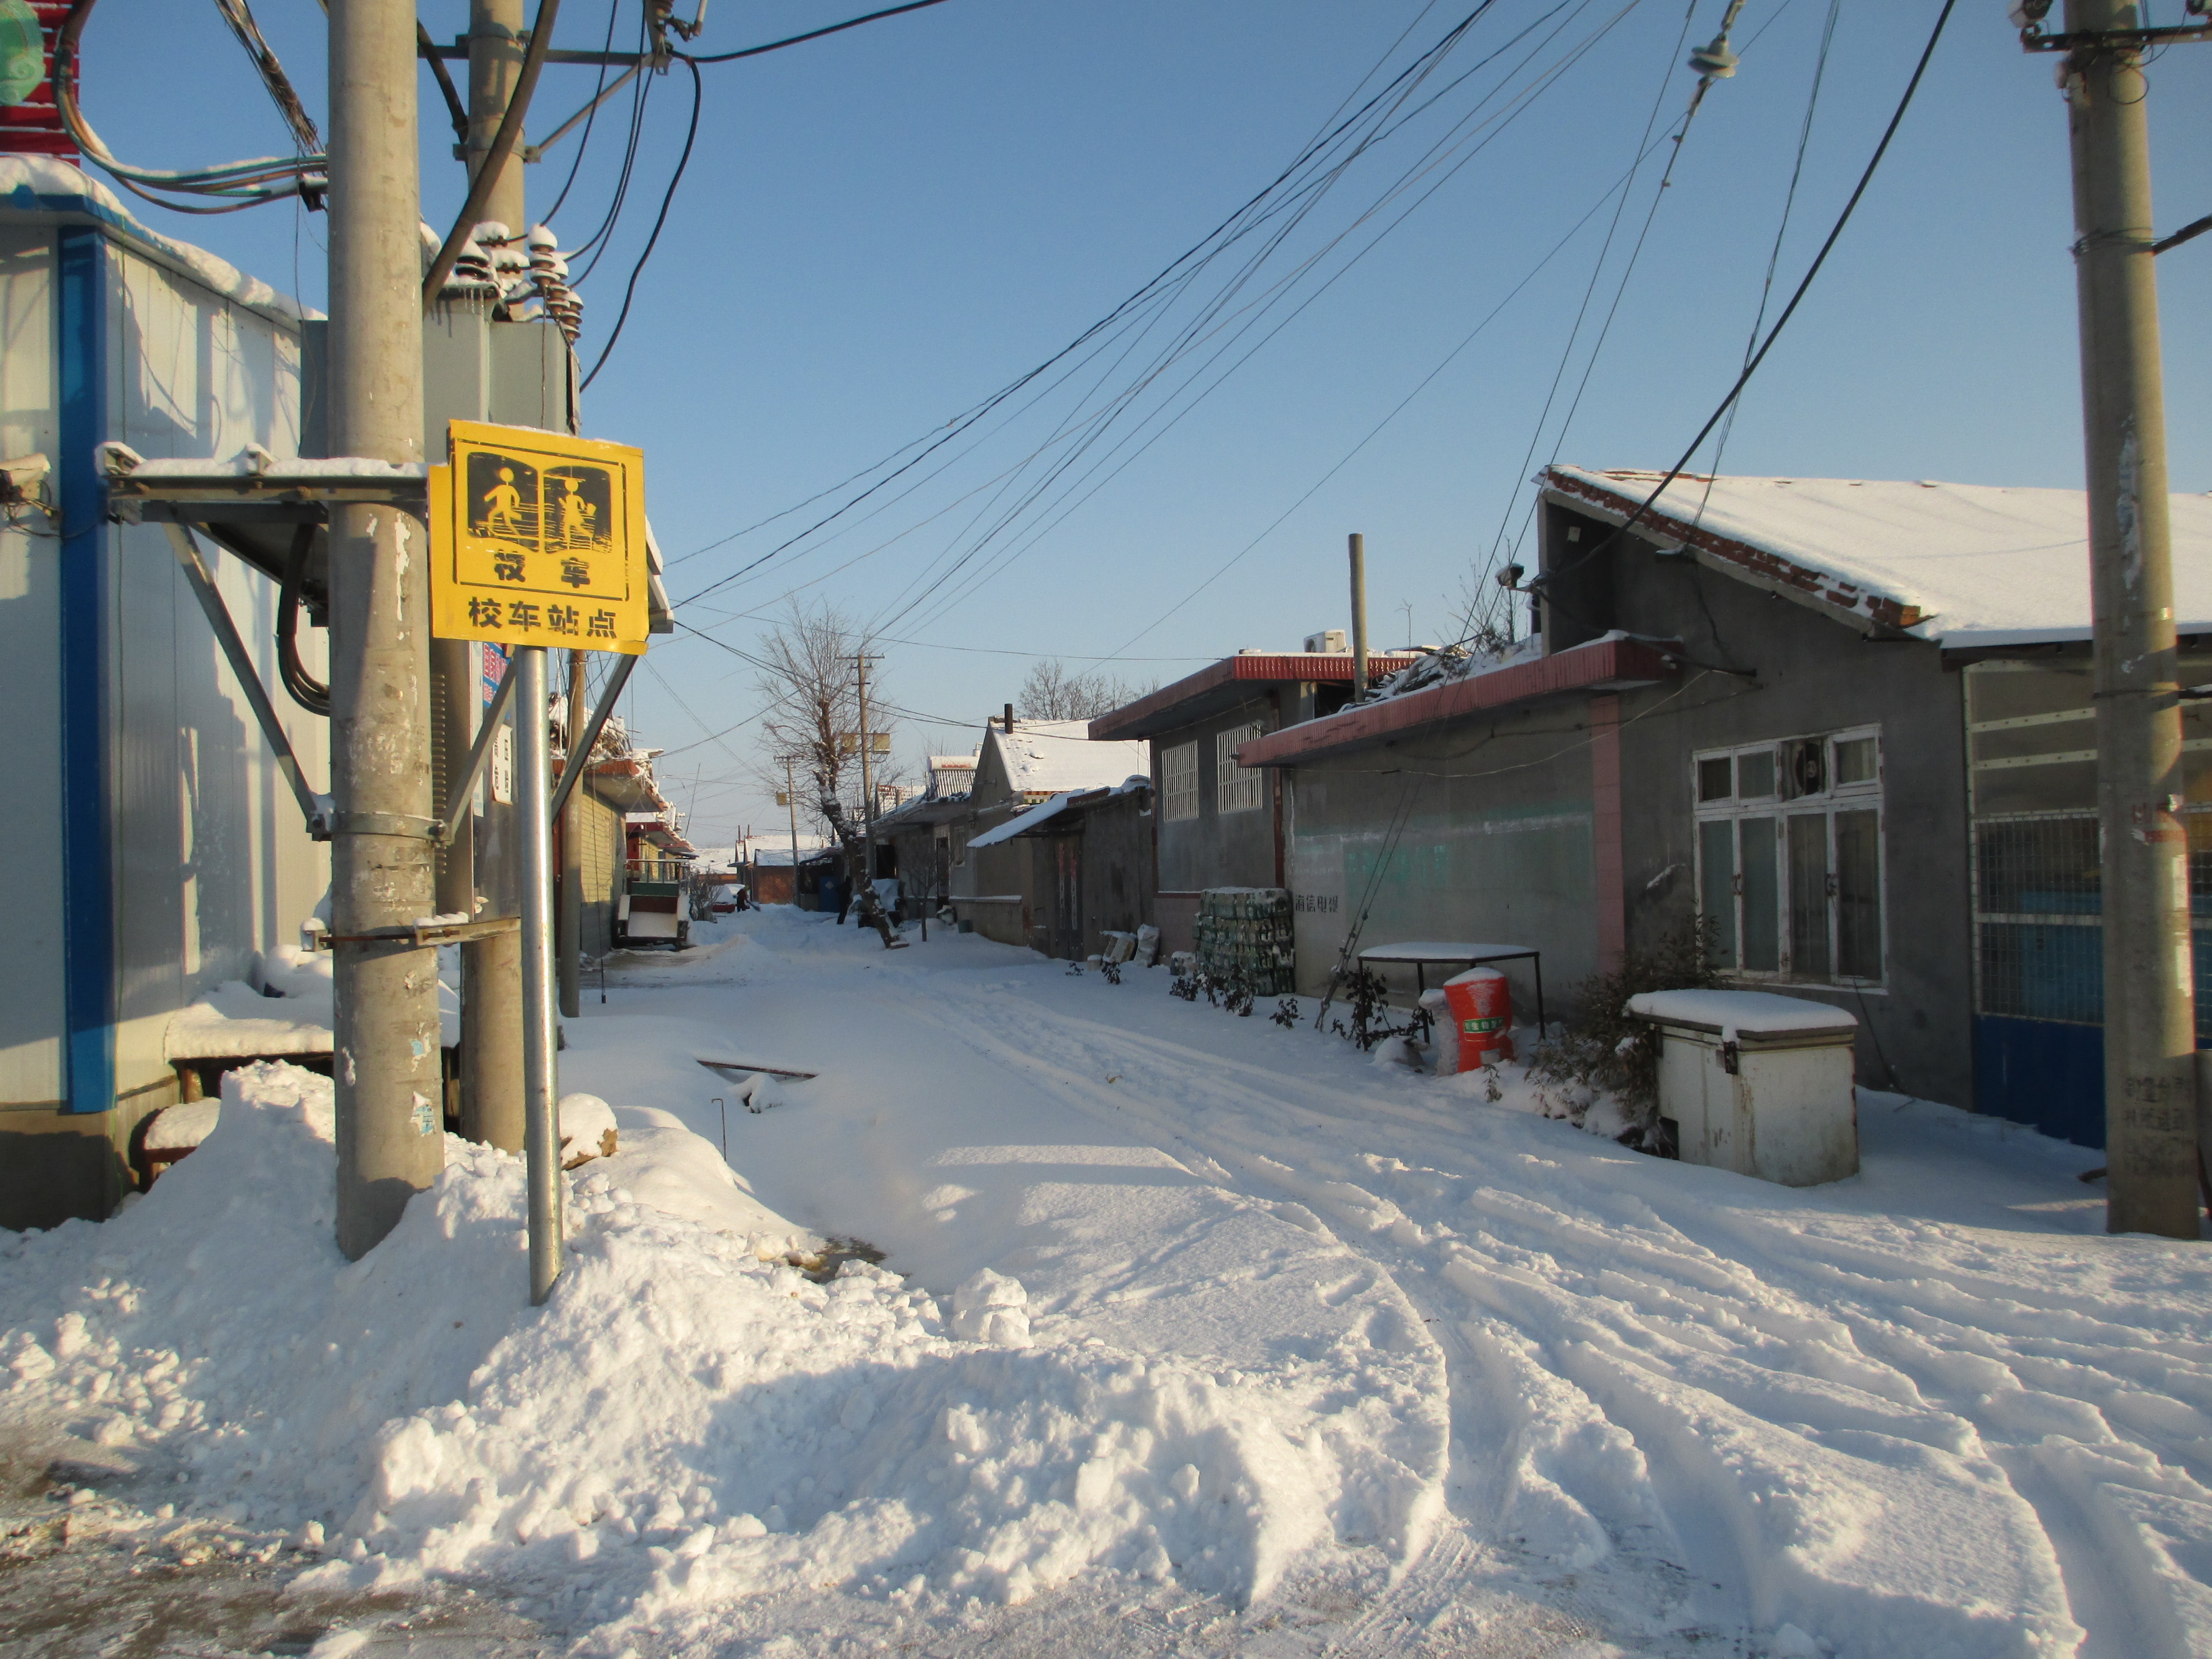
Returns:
point(557, 523)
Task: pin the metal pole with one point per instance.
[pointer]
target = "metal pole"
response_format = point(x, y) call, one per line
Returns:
point(391, 1143)
point(491, 968)
point(867, 783)
point(571, 917)
point(533, 768)
point(495, 50)
point(2150, 1040)
point(1358, 616)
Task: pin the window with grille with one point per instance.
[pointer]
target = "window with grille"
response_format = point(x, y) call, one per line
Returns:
point(1179, 782)
point(1789, 865)
point(1235, 788)
point(2038, 864)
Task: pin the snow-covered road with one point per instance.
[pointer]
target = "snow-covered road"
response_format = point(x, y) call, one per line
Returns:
point(1325, 1356)
point(1930, 1410)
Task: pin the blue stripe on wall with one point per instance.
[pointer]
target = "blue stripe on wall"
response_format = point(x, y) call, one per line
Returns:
point(88, 885)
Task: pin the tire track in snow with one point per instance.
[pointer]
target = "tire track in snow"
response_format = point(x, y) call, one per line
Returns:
point(1622, 1593)
point(1971, 1370)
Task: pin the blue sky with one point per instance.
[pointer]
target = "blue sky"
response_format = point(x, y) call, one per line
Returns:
point(879, 230)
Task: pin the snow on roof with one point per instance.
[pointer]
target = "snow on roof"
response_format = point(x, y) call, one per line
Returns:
point(1024, 822)
point(1966, 564)
point(1762, 1013)
point(46, 183)
point(1044, 757)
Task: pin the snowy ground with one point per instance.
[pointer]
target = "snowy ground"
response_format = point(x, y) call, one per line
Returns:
point(1321, 1356)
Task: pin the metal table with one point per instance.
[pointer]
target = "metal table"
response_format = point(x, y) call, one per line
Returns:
point(1419, 954)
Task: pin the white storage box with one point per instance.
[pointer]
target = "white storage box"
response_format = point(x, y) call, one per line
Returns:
point(1756, 1082)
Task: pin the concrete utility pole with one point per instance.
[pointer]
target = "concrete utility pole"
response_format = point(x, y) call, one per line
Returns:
point(1358, 545)
point(867, 777)
point(2150, 1019)
point(570, 919)
point(491, 968)
point(791, 800)
point(391, 1139)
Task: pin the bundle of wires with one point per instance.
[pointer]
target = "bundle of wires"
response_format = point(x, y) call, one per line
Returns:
point(232, 186)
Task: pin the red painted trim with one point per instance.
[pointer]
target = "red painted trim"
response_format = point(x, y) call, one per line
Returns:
point(1605, 801)
point(1132, 719)
point(1603, 665)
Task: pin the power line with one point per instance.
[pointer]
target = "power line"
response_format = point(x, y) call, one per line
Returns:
point(1430, 160)
point(1147, 292)
point(629, 293)
point(812, 34)
point(1780, 230)
point(1782, 322)
point(591, 113)
point(1375, 431)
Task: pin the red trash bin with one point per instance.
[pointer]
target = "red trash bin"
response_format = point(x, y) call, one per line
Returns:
point(1481, 1004)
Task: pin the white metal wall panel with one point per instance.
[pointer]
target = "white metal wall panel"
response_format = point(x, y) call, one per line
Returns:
point(31, 923)
point(213, 862)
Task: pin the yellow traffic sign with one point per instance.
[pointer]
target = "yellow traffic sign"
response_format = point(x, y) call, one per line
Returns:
point(538, 538)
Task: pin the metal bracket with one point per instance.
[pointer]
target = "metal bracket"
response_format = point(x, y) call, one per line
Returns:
point(317, 809)
point(404, 825)
point(428, 932)
point(479, 753)
point(2033, 39)
point(580, 749)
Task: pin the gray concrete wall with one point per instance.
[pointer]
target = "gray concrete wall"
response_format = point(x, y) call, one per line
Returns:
point(1118, 878)
point(1216, 849)
point(1813, 675)
point(1497, 846)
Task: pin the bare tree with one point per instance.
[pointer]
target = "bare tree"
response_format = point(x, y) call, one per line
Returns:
point(1051, 693)
point(812, 697)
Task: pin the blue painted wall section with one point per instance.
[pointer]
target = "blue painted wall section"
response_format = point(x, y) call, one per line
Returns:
point(87, 858)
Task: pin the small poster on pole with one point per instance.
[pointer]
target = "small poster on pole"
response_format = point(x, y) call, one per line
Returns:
point(538, 538)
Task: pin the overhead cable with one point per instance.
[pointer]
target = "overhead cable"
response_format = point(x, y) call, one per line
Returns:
point(812, 34)
point(591, 112)
point(278, 84)
point(1782, 322)
point(1148, 290)
point(236, 185)
point(691, 137)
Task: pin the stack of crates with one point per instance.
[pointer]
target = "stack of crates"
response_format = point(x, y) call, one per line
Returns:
point(1244, 935)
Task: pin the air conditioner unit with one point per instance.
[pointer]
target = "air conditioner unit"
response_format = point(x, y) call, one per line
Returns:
point(1331, 643)
point(1805, 767)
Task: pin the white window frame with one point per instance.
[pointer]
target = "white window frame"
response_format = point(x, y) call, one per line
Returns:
point(1237, 789)
point(1179, 782)
point(1781, 807)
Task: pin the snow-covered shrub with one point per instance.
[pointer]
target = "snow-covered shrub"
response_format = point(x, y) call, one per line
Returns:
point(1604, 1058)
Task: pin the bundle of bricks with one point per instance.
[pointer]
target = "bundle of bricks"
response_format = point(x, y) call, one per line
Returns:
point(1243, 934)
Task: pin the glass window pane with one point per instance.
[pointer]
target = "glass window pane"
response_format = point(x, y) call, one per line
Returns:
point(1717, 882)
point(1762, 892)
point(1715, 781)
point(1858, 895)
point(1855, 760)
point(1755, 774)
point(1808, 896)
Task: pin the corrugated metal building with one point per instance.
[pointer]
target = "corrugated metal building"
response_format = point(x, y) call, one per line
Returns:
point(151, 846)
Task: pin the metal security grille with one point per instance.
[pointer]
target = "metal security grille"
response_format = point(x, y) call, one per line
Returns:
point(2037, 879)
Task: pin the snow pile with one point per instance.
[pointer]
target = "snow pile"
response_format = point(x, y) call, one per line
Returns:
point(685, 1422)
point(292, 1013)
